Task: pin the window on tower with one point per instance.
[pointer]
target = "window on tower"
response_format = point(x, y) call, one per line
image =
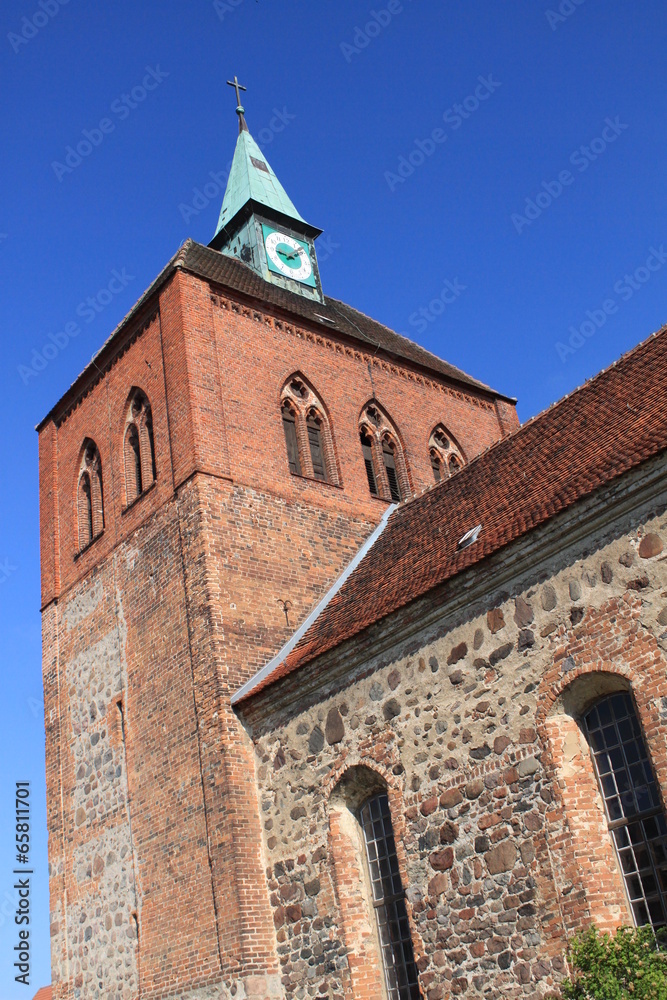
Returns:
point(382, 454)
point(289, 427)
point(85, 512)
point(444, 453)
point(313, 426)
point(308, 437)
point(138, 447)
point(388, 448)
point(367, 452)
point(90, 504)
point(133, 483)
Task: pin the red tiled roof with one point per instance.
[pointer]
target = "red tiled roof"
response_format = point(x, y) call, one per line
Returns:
point(43, 994)
point(605, 428)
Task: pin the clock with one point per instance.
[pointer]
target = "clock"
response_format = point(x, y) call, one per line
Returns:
point(288, 256)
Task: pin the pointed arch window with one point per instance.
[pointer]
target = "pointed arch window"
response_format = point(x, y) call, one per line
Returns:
point(308, 437)
point(85, 512)
point(133, 485)
point(367, 452)
point(90, 501)
point(138, 447)
point(291, 442)
point(370, 881)
point(444, 453)
point(389, 460)
point(634, 810)
point(389, 899)
point(383, 457)
point(313, 428)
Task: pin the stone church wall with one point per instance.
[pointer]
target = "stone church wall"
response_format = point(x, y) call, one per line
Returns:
point(469, 722)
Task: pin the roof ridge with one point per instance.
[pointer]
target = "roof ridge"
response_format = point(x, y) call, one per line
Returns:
point(589, 381)
point(468, 378)
point(513, 434)
point(233, 274)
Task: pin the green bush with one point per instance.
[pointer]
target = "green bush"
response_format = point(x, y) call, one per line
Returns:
point(627, 964)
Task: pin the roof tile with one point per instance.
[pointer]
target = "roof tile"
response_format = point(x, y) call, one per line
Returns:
point(608, 426)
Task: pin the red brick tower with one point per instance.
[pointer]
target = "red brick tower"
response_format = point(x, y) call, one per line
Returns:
point(202, 483)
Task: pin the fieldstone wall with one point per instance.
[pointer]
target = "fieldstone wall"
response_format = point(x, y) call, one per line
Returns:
point(98, 931)
point(467, 734)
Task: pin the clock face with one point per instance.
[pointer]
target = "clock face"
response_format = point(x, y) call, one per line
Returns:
point(288, 256)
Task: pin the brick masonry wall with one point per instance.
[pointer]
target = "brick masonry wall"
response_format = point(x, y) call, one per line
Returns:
point(228, 425)
point(473, 730)
point(155, 847)
point(345, 379)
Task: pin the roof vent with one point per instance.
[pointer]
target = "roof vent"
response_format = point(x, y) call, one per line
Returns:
point(469, 538)
point(325, 319)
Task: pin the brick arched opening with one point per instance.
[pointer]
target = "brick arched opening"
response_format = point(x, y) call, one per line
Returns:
point(365, 839)
point(308, 434)
point(589, 849)
point(445, 453)
point(383, 454)
point(90, 497)
point(138, 446)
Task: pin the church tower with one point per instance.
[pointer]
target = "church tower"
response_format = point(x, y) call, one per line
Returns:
point(259, 224)
point(202, 483)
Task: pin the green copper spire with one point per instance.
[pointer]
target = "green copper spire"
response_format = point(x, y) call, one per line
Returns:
point(259, 224)
point(251, 178)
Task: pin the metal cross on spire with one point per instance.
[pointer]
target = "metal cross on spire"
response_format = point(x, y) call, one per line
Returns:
point(237, 86)
point(240, 110)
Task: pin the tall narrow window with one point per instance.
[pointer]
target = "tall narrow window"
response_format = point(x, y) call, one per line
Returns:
point(85, 511)
point(389, 900)
point(308, 434)
point(132, 464)
point(90, 502)
point(436, 465)
point(384, 460)
point(390, 468)
point(315, 444)
point(289, 426)
point(147, 449)
point(635, 813)
point(367, 452)
point(138, 447)
point(97, 501)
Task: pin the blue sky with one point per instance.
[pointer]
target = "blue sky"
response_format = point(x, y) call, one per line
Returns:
point(514, 152)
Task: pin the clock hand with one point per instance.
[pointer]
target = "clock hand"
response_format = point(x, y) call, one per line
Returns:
point(289, 256)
